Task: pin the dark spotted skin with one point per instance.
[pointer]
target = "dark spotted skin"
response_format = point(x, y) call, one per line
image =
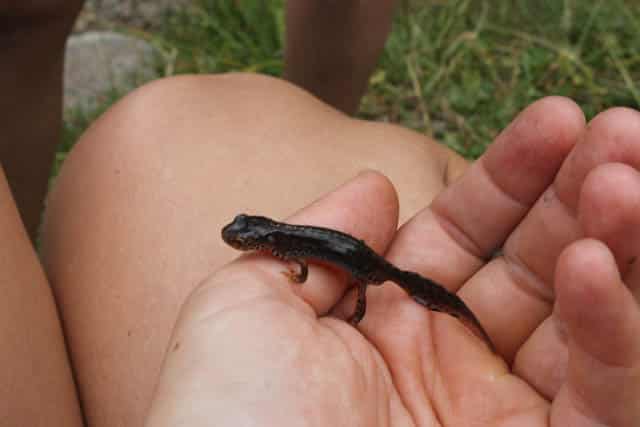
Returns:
point(299, 243)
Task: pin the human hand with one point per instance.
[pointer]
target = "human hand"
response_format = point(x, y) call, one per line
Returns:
point(251, 348)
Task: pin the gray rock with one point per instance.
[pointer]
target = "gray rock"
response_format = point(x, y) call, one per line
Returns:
point(99, 63)
point(136, 13)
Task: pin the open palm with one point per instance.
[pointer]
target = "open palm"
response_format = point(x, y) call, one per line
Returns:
point(251, 348)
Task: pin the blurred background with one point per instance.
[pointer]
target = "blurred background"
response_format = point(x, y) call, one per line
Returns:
point(456, 70)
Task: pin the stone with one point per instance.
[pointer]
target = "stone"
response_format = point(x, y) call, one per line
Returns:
point(99, 63)
point(133, 13)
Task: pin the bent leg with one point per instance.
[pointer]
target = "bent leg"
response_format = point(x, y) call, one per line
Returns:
point(133, 222)
point(333, 46)
point(32, 40)
point(36, 385)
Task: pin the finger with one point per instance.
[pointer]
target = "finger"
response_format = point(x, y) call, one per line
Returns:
point(452, 238)
point(530, 253)
point(608, 210)
point(603, 326)
point(449, 241)
point(612, 137)
point(365, 207)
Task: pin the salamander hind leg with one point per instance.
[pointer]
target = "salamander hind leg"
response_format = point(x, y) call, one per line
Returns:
point(299, 276)
point(361, 304)
point(431, 306)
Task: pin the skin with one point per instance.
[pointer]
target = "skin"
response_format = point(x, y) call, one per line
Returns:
point(151, 185)
point(144, 187)
point(406, 366)
point(32, 39)
point(119, 279)
point(374, 381)
point(36, 385)
point(33, 35)
point(332, 47)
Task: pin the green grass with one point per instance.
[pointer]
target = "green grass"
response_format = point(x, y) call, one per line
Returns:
point(456, 70)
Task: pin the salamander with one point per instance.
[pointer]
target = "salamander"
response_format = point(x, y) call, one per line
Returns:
point(300, 243)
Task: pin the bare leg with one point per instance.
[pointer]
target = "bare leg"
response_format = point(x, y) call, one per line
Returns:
point(332, 46)
point(36, 385)
point(133, 222)
point(32, 38)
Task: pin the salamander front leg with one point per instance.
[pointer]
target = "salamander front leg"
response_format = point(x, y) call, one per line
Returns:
point(297, 276)
point(361, 304)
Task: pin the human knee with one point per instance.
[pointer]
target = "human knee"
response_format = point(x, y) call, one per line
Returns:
point(184, 105)
point(231, 93)
point(190, 109)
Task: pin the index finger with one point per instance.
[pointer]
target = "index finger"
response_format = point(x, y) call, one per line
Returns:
point(451, 239)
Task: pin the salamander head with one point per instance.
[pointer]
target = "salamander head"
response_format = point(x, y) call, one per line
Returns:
point(248, 232)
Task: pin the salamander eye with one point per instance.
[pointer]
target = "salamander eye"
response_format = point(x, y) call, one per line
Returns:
point(271, 238)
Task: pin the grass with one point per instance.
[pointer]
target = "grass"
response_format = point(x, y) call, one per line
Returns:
point(457, 70)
